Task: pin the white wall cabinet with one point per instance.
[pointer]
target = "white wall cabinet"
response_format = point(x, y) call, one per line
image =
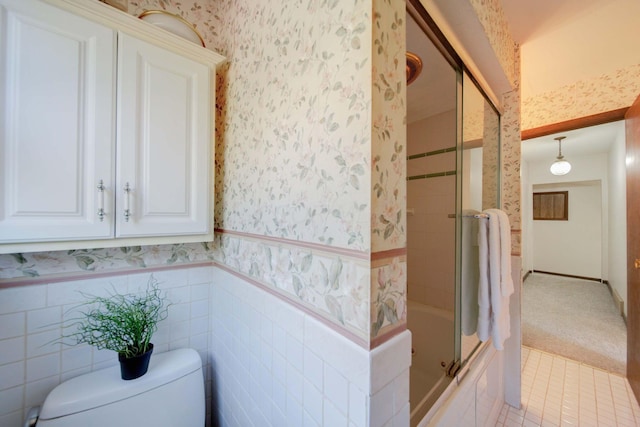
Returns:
point(58, 86)
point(106, 129)
point(163, 141)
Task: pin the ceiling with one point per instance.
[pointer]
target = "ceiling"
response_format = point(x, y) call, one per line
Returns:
point(562, 42)
point(531, 18)
point(579, 142)
point(567, 41)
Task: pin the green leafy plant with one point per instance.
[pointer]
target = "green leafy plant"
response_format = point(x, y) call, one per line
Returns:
point(120, 322)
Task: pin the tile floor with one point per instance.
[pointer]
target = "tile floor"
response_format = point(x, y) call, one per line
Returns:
point(560, 392)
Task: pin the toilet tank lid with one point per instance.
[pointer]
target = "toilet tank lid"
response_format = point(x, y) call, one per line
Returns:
point(105, 386)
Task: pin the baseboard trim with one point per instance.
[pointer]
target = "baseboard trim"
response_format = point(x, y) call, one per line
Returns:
point(617, 299)
point(595, 279)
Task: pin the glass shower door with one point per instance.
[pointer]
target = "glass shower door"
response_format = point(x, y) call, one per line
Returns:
point(432, 139)
point(478, 184)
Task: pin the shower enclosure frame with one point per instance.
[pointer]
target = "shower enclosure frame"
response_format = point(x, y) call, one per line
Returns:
point(455, 367)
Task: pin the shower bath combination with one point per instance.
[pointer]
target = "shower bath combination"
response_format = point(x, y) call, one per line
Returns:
point(452, 167)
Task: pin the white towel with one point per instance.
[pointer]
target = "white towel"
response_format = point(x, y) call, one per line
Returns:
point(500, 246)
point(495, 284)
point(469, 297)
point(484, 296)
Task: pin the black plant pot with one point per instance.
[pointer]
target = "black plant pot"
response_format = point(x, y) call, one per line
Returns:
point(134, 367)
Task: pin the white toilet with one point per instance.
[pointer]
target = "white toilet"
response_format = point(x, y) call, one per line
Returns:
point(170, 394)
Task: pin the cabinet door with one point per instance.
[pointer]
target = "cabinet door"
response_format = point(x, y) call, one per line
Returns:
point(56, 121)
point(164, 142)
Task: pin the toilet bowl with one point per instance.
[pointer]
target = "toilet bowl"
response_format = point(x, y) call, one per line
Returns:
point(170, 394)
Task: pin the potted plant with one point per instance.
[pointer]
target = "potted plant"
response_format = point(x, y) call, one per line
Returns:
point(123, 323)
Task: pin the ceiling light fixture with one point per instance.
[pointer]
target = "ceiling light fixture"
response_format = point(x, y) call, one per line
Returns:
point(560, 166)
point(414, 67)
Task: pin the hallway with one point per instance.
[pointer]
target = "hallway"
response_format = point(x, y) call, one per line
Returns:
point(561, 392)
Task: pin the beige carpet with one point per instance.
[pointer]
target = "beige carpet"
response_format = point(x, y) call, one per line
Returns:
point(574, 318)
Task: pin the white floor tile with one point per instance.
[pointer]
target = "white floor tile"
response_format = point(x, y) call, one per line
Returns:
point(560, 392)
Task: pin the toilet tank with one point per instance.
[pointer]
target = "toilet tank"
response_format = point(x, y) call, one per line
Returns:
point(170, 394)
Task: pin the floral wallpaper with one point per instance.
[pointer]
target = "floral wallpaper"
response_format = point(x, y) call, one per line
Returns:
point(389, 133)
point(510, 151)
point(296, 149)
point(493, 20)
point(295, 158)
point(607, 92)
point(310, 159)
point(480, 123)
point(389, 166)
point(293, 153)
point(495, 25)
point(490, 157)
point(332, 285)
point(388, 296)
point(473, 122)
point(36, 264)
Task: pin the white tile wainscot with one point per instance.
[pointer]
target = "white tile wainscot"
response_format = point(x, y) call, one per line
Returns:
point(474, 399)
point(275, 365)
point(266, 362)
point(30, 319)
point(491, 377)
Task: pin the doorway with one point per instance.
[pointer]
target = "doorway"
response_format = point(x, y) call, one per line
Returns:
point(591, 244)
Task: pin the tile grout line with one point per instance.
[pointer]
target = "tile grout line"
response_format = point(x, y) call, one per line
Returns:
point(550, 386)
point(613, 400)
point(595, 396)
point(563, 388)
point(528, 367)
point(588, 395)
point(546, 390)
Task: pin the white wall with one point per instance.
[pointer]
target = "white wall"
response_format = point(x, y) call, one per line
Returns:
point(572, 247)
point(617, 227)
point(584, 168)
point(610, 168)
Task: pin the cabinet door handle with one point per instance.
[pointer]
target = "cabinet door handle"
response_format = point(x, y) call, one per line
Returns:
point(101, 188)
point(127, 211)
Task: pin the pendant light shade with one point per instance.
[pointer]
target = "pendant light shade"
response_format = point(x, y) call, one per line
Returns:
point(560, 166)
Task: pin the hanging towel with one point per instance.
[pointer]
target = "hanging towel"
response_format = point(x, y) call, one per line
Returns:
point(470, 277)
point(500, 246)
point(495, 284)
point(484, 301)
